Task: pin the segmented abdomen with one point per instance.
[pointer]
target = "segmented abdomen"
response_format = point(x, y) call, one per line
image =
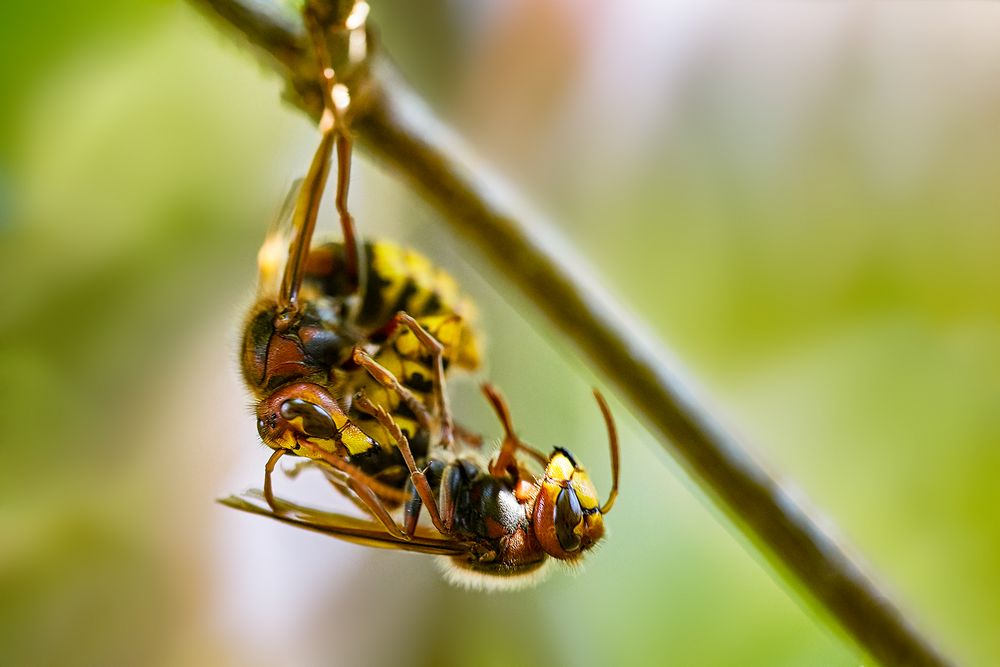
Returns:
point(398, 279)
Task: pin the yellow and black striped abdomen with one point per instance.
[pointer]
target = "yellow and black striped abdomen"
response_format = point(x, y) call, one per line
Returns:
point(398, 279)
point(404, 357)
point(401, 279)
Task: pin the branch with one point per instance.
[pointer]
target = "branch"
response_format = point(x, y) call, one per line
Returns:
point(395, 126)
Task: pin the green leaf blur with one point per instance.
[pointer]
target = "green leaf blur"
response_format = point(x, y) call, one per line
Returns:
point(802, 202)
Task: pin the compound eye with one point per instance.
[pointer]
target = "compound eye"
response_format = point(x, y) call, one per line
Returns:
point(569, 516)
point(316, 422)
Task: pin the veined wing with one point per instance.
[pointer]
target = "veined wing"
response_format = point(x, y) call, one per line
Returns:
point(341, 526)
point(273, 251)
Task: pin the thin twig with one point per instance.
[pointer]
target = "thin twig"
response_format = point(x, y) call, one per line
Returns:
point(396, 127)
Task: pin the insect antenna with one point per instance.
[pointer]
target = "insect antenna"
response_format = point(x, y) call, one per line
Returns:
point(609, 420)
point(506, 462)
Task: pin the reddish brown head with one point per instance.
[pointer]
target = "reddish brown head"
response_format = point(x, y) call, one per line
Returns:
point(305, 413)
point(568, 518)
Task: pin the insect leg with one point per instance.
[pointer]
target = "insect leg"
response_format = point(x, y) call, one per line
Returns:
point(332, 107)
point(332, 476)
point(417, 476)
point(341, 465)
point(451, 479)
point(468, 437)
point(436, 350)
point(359, 483)
point(506, 461)
point(268, 470)
point(376, 507)
point(333, 132)
point(304, 223)
point(411, 512)
point(367, 489)
point(384, 377)
point(412, 508)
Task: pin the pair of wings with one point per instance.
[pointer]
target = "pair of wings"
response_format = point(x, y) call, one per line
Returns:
point(341, 526)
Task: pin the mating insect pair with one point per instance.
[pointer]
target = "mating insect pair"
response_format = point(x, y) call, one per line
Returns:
point(347, 358)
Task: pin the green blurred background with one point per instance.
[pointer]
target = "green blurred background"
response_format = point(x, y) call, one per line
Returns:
point(801, 199)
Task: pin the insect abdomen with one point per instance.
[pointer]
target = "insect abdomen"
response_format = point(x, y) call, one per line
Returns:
point(397, 279)
point(401, 279)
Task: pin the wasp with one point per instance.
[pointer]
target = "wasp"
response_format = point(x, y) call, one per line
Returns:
point(346, 356)
point(496, 523)
point(298, 349)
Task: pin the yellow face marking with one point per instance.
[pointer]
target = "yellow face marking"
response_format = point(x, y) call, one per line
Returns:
point(355, 440)
point(585, 490)
point(559, 468)
point(285, 441)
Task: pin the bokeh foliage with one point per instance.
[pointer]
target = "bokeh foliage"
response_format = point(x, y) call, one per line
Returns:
point(817, 243)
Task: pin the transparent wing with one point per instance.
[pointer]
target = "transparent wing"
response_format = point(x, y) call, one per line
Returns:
point(347, 528)
point(273, 251)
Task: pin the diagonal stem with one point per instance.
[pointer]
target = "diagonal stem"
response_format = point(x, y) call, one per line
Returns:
point(395, 126)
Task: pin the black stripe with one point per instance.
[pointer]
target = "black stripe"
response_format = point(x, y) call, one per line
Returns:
point(410, 290)
point(419, 382)
point(403, 410)
point(432, 306)
point(373, 305)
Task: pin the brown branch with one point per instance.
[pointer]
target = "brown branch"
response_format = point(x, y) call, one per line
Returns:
point(396, 127)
